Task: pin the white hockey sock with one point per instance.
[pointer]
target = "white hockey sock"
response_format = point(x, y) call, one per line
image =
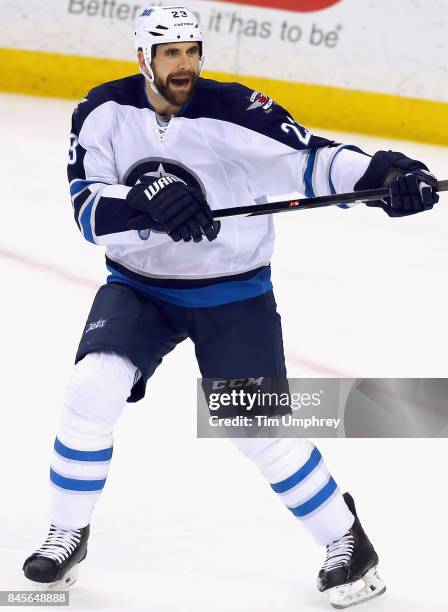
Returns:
point(94, 400)
point(298, 474)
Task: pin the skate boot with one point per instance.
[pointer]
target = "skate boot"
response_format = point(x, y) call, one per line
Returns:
point(349, 573)
point(55, 564)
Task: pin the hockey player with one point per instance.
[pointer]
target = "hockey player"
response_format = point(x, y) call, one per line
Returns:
point(151, 156)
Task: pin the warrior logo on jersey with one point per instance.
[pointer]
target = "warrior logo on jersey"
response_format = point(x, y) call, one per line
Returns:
point(258, 100)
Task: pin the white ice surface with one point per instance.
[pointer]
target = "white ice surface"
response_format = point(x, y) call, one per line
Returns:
point(188, 525)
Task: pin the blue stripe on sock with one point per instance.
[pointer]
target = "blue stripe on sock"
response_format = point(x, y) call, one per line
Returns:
point(316, 501)
point(72, 484)
point(301, 474)
point(77, 455)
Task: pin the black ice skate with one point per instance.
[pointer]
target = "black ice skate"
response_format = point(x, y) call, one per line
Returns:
point(55, 564)
point(349, 573)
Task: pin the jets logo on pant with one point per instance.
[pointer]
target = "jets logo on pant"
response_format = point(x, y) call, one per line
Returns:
point(96, 325)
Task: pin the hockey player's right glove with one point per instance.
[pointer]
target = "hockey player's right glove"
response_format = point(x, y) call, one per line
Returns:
point(410, 184)
point(170, 206)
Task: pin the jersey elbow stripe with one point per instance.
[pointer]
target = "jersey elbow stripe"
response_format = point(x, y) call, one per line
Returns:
point(308, 176)
point(330, 170)
point(78, 185)
point(81, 192)
point(78, 202)
point(85, 219)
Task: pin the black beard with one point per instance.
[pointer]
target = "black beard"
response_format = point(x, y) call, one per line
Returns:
point(175, 98)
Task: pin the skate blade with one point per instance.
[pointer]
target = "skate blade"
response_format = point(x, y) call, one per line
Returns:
point(59, 585)
point(369, 586)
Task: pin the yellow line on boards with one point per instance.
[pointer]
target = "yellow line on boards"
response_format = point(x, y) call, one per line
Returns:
point(54, 75)
point(350, 110)
point(68, 76)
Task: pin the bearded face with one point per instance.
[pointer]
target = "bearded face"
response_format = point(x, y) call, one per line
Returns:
point(177, 88)
point(176, 69)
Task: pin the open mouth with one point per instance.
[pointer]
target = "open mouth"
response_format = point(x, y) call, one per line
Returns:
point(180, 82)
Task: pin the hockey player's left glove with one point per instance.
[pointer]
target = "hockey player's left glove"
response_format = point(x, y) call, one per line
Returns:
point(411, 185)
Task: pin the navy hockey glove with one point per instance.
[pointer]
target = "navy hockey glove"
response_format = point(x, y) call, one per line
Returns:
point(172, 207)
point(411, 185)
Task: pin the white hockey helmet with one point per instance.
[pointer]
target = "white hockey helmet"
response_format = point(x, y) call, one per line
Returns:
point(165, 24)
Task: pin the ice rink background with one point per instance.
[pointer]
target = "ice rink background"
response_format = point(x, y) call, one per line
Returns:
point(188, 525)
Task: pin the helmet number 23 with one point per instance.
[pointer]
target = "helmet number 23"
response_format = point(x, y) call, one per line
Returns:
point(179, 14)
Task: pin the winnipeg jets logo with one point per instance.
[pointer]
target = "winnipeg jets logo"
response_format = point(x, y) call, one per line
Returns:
point(258, 100)
point(162, 174)
point(146, 170)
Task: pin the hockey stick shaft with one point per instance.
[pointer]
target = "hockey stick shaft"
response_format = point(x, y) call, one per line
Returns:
point(307, 203)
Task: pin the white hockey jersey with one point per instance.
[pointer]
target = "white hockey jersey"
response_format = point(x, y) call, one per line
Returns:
point(234, 144)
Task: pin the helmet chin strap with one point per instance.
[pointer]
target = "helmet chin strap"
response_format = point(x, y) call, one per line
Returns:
point(149, 76)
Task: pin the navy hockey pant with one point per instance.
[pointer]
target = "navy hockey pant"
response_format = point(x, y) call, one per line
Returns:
point(237, 340)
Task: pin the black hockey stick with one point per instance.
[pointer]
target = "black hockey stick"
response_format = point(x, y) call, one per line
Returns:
point(307, 203)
